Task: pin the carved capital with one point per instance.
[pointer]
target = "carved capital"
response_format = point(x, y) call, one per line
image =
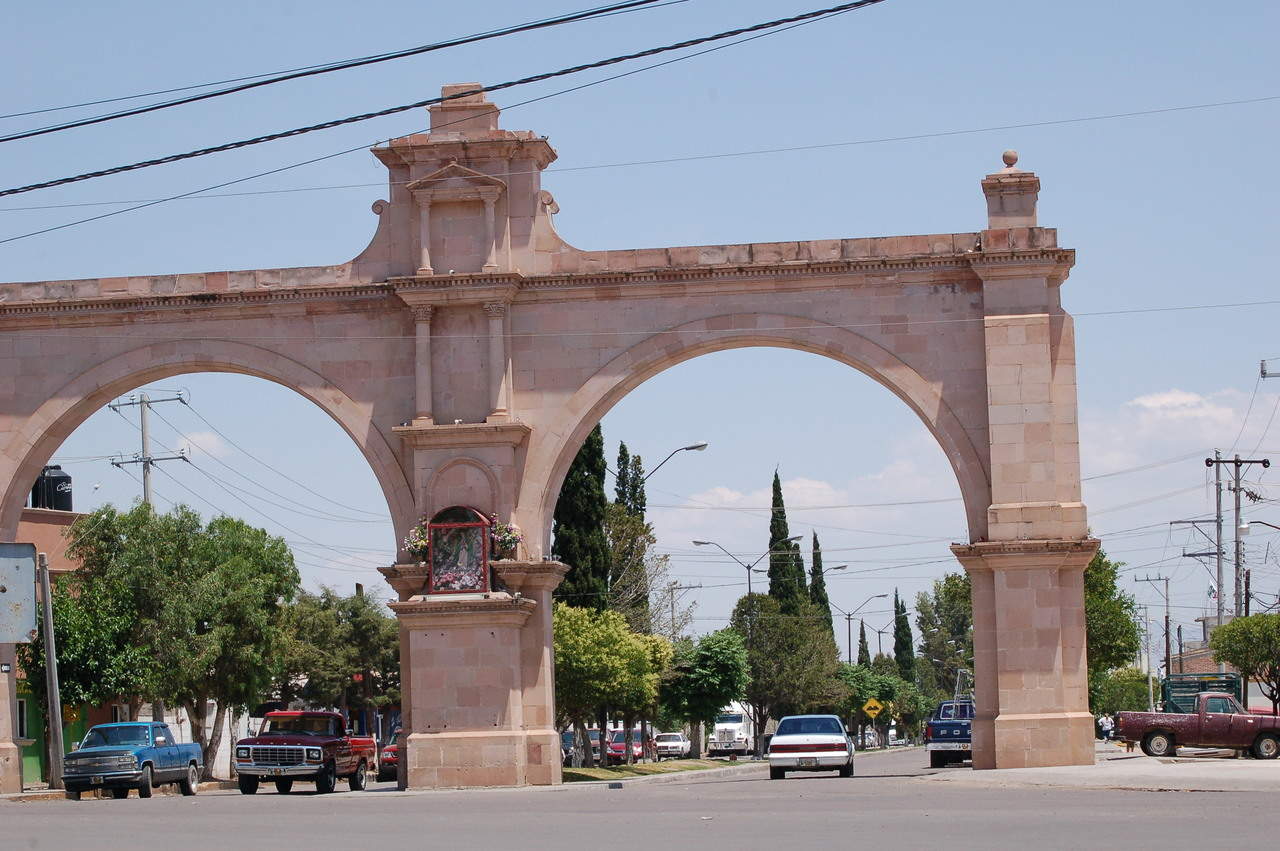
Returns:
point(495, 309)
point(422, 312)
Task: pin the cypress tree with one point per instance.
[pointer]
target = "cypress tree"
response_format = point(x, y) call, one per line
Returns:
point(818, 585)
point(578, 526)
point(622, 487)
point(784, 585)
point(864, 652)
point(636, 500)
point(903, 652)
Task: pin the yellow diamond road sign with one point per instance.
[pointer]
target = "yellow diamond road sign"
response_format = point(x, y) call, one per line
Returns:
point(872, 707)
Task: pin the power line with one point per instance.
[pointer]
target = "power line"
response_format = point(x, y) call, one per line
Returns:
point(381, 113)
point(343, 65)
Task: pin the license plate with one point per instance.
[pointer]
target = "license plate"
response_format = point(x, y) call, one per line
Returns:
point(96, 779)
point(807, 762)
point(277, 772)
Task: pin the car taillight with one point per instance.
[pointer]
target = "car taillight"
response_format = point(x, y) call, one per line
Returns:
point(835, 746)
point(928, 732)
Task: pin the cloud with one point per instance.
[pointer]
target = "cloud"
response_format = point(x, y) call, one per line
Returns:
point(205, 442)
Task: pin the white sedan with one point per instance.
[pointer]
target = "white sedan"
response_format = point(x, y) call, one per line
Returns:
point(810, 743)
point(674, 745)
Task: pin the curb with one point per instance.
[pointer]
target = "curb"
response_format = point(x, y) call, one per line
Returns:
point(59, 795)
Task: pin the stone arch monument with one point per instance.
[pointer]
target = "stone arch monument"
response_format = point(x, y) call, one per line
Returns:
point(469, 349)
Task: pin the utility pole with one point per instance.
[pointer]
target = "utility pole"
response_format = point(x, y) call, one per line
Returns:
point(145, 458)
point(1180, 660)
point(1237, 464)
point(53, 693)
point(672, 589)
point(1146, 644)
point(1165, 580)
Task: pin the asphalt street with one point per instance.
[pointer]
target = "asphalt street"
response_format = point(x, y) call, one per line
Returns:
point(886, 805)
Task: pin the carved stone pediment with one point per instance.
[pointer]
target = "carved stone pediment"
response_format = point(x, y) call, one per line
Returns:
point(455, 183)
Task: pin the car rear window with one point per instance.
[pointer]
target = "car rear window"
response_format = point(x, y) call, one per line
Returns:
point(955, 712)
point(810, 727)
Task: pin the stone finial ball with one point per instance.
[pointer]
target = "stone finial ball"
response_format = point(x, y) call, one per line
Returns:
point(1010, 158)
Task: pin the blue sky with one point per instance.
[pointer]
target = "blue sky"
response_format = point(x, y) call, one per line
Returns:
point(1166, 210)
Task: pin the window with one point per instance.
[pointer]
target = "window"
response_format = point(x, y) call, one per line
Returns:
point(22, 718)
point(119, 713)
point(733, 718)
point(818, 726)
point(459, 551)
point(1219, 705)
point(163, 730)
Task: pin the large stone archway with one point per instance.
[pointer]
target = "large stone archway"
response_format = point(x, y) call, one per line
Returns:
point(469, 349)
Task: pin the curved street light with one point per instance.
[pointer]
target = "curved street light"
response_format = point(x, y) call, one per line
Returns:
point(848, 619)
point(692, 447)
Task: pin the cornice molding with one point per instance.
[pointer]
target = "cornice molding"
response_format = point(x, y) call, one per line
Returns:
point(461, 435)
point(1026, 554)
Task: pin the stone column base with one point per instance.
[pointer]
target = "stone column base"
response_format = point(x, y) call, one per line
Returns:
point(1033, 741)
point(10, 768)
point(481, 759)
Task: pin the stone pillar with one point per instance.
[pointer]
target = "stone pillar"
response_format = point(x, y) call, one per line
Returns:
point(490, 233)
point(478, 680)
point(10, 753)
point(424, 237)
point(497, 312)
point(422, 363)
point(1027, 578)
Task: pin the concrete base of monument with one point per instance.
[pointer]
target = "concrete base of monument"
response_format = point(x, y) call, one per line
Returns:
point(483, 759)
point(10, 768)
point(1033, 741)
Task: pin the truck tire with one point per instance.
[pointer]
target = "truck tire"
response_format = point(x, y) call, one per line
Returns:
point(1266, 746)
point(284, 786)
point(846, 770)
point(938, 759)
point(356, 781)
point(777, 773)
point(72, 794)
point(120, 794)
point(1159, 744)
point(248, 783)
point(145, 785)
point(326, 779)
point(190, 781)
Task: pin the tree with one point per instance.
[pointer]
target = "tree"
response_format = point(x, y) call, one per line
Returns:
point(637, 571)
point(578, 526)
point(637, 502)
point(1252, 646)
point(944, 618)
point(1111, 629)
point(786, 568)
point(708, 676)
point(818, 584)
point(792, 658)
point(1120, 690)
point(903, 650)
point(622, 483)
point(864, 651)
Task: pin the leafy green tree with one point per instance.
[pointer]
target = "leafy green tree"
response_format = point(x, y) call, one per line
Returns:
point(786, 567)
point(864, 651)
point(818, 585)
point(708, 675)
point(903, 642)
point(578, 527)
point(1119, 690)
point(792, 658)
point(1252, 646)
point(944, 619)
point(1110, 617)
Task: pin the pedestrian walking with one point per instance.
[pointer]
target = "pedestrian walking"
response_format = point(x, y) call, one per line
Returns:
point(1107, 724)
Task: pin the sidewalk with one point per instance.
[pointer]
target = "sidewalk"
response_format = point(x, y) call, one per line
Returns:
point(46, 794)
point(1195, 771)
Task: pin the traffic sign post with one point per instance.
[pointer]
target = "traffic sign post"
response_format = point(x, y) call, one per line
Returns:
point(17, 626)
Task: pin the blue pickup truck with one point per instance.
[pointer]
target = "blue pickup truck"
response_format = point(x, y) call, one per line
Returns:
point(133, 755)
point(948, 735)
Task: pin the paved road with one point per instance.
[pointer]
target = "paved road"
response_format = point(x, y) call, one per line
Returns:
point(885, 806)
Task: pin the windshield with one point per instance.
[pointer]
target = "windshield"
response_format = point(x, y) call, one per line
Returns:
point(307, 725)
point(810, 727)
point(955, 712)
point(618, 735)
point(729, 719)
point(668, 737)
point(100, 736)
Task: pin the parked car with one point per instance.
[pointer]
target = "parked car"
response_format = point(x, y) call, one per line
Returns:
point(674, 745)
point(810, 743)
point(1218, 722)
point(618, 746)
point(308, 746)
point(948, 735)
point(389, 759)
point(567, 744)
point(733, 733)
point(131, 755)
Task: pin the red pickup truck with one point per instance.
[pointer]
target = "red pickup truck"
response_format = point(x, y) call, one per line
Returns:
point(1218, 722)
point(307, 746)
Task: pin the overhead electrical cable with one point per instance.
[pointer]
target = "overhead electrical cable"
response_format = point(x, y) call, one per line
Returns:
point(535, 78)
point(573, 17)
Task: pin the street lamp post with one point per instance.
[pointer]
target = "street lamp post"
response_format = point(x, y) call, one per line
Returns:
point(692, 447)
point(848, 620)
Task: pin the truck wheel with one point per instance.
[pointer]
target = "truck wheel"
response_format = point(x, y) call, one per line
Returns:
point(326, 780)
point(1267, 746)
point(1158, 744)
point(846, 770)
point(73, 794)
point(284, 786)
point(191, 782)
point(248, 783)
point(937, 759)
point(120, 794)
point(777, 773)
point(144, 785)
point(356, 781)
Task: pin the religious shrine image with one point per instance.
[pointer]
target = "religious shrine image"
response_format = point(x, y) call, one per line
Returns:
point(469, 350)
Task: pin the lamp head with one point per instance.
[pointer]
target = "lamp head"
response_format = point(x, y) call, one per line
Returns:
point(1243, 529)
point(701, 543)
point(696, 447)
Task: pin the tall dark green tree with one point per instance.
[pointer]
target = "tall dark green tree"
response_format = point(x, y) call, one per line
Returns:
point(622, 485)
point(903, 650)
point(818, 584)
point(786, 567)
point(637, 502)
point(578, 527)
point(864, 652)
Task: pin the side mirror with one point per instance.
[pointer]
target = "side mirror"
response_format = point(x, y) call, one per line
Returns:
point(75, 746)
point(161, 740)
point(349, 732)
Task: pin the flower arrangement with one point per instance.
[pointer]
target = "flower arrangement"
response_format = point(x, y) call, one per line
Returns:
point(503, 537)
point(416, 543)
